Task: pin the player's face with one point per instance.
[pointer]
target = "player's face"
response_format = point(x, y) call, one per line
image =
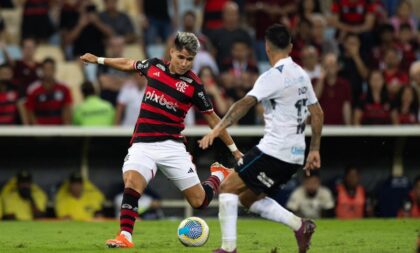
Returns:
point(181, 61)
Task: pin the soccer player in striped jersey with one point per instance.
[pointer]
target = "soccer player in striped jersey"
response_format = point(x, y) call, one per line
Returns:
point(157, 143)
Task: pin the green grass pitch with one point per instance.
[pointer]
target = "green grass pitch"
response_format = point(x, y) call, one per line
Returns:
point(377, 236)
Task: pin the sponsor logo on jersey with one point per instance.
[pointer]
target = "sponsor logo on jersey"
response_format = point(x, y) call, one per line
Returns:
point(161, 100)
point(190, 170)
point(58, 96)
point(297, 151)
point(181, 86)
point(161, 66)
point(186, 79)
point(203, 97)
point(156, 73)
point(263, 178)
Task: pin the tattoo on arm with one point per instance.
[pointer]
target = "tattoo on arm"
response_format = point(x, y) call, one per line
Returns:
point(317, 121)
point(237, 111)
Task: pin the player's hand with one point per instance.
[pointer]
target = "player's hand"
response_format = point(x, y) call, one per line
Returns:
point(89, 58)
point(313, 161)
point(207, 140)
point(238, 155)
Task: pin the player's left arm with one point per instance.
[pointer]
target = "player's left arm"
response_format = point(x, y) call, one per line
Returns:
point(212, 119)
point(236, 112)
point(313, 161)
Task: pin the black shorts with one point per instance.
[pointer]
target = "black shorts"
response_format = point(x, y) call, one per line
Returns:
point(263, 173)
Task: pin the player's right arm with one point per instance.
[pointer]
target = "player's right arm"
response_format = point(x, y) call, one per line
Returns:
point(122, 64)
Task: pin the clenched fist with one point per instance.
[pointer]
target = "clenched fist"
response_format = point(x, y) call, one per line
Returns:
point(89, 58)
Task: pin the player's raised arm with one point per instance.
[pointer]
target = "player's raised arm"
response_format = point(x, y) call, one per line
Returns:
point(122, 64)
point(236, 112)
point(213, 120)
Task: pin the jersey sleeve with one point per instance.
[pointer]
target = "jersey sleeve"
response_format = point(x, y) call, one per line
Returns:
point(266, 86)
point(144, 65)
point(311, 94)
point(201, 100)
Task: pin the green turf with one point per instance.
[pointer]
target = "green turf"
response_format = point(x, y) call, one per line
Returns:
point(362, 236)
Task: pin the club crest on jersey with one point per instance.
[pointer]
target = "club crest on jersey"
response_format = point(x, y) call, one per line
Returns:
point(160, 99)
point(186, 79)
point(161, 66)
point(181, 86)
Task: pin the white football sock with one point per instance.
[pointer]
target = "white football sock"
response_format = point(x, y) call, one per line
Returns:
point(219, 175)
point(127, 235)
point(228, 215)
point(268, 208)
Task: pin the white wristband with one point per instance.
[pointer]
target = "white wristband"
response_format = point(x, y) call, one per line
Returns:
point(232, 147)
point(101, 60)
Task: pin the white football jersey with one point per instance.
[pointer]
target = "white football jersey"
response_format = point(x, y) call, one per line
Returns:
point(285, 91)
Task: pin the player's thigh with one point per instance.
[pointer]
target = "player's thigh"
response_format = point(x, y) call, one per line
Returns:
point(262, 173)
point(138, 168)
point(176, 164)
point(233, 184)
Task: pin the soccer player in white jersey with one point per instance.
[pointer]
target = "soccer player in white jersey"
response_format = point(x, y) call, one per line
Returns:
point(286, 93)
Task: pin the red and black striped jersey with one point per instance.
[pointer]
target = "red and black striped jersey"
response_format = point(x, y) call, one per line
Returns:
point(166, 101)
point(9, 96)
point(48, 104)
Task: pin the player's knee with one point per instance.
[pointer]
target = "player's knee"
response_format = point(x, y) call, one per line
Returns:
point(196, 203)
point(226, 188)
point(132, 181)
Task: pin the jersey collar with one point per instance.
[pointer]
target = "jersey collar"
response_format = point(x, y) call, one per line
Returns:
point(283, 61)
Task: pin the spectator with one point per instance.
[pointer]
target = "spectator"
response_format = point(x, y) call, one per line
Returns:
point(324, 45)
point(411, 207)
point(352, 16)
point(395, 78)
point(203, 57)
point(25, 70)
point(351, 196)
point(215, 92)
point(239, 74)
point(264, 13)
point(312, 200)
point(408, 47)
point(307, 8)
point(149, 205)
point(49, 102)
point(374, 107)
point(12, 111)
point(93, 111)
point(386, 41)
point(84, 31)
point(36, 22)
point(415, 77)
point(223, 38)
point(23, 200)
point(406, 108)
point(129, 101)
point(353, 68)
point(118, 21)
point(334, 93)
point(213, 15)
point(111, 80)
point(310, 63)
point(302, 39)
point(156, 21)
point(78, 199)
point(404, 15)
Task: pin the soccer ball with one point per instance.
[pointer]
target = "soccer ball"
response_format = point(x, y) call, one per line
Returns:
point(193, 232)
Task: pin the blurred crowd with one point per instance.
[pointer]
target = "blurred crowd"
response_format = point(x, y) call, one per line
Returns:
point(77, 198)
point(363, 56)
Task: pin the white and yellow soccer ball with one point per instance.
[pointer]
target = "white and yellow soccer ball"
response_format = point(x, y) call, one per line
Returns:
point(193, 232)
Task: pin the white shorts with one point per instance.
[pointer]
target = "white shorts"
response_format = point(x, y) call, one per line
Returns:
point(169, 156)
